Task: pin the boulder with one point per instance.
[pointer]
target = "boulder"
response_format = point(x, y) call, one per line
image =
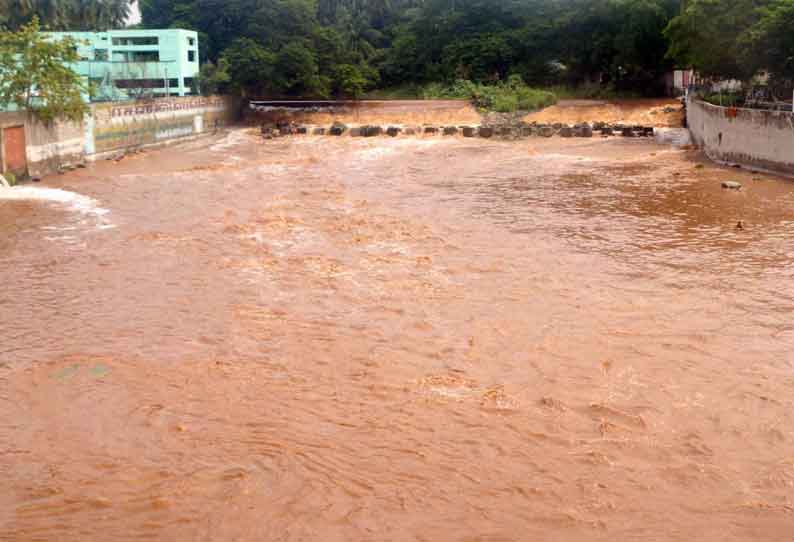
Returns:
point(627, 132)
point(584, 131)
point(485, 131)
point(431, 130)
point(468, 131)
point(649, 131)
point(607, 131)
point(355, 132)
point(319, 131)
point(301, 130)
point(338, 129)
point(450, 130)
point(547, 131)
point(566, 131)
point(731, 185)
point(393, 131)
point(371, 131)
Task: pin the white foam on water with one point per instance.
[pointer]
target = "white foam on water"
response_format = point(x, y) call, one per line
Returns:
point(232, 139)
point(71, 200)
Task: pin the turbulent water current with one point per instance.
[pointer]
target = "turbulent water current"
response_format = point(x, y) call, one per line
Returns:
point(398, 339)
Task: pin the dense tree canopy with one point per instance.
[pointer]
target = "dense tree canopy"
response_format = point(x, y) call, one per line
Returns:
point(346, 47)
point(65, 14)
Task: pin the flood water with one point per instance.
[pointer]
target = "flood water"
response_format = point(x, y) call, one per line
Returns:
point(398, 339)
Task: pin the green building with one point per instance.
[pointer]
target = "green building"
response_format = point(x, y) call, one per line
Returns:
point(134, 64)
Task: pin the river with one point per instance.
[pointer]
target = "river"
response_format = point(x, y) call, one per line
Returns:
point(398, 339)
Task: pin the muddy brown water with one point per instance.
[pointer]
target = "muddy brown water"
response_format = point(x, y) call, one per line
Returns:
point(398, 339)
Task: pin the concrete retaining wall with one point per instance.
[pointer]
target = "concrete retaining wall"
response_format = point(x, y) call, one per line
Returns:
point(114, 127)
point(752, 138)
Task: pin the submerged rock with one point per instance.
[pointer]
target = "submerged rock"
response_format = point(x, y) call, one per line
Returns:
point(338, 129)
point(431, 130)
point(393, 131)
point(319, 131)
point(468, 131)
point(566, 131)
point(450, 130)
point(485, 131)
point(371, 131)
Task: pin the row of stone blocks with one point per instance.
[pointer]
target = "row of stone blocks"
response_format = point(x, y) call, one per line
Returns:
point(506, 131)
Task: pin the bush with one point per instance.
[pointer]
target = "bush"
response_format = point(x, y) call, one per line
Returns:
point(725, 99)
point(10, 178)
point(504, 97)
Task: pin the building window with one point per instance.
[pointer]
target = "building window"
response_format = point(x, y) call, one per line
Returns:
point(189, 82)
point(145, 56)
point(136, 41)
point(140, 83)
point(191, 56)
point(191, 41)
point(101, 55)
point(173, 83)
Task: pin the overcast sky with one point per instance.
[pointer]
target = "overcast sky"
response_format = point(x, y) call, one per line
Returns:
point(135, 15)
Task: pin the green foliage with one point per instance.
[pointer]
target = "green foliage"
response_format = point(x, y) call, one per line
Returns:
point(35, 74)
point(65, 14)
point(214, 79)
point(707, 36)
point(506, 97)
point(10, 178)
point(725, 99)
point(771, 40)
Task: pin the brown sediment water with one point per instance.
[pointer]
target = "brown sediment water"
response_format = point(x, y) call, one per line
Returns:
point(662, 112)
point(399, 112)
point(398, 339)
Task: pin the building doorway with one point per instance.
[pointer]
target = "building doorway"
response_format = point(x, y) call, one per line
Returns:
point(14, 153)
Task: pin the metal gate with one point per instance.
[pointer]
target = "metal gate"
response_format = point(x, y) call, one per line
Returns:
point(14, 150)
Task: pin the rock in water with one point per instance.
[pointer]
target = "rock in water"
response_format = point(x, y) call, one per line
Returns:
point(486, 131)
point(393, 131)
point(731, 185)
point(566, 131)
point(371, 131)
point(450, 130)
point(468, 131)
point(432, 130)
point(338, 129)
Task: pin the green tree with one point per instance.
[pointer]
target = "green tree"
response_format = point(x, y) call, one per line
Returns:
point(250, 67)
point(35, 74)
point(706, 36)
point(214, 79)
point(770, 42)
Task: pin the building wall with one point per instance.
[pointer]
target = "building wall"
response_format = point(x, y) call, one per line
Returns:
point(113, 55)
point(753, 138)
point(49, 146)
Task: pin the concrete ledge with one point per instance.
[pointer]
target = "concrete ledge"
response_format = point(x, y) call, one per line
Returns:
point(755, 139)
